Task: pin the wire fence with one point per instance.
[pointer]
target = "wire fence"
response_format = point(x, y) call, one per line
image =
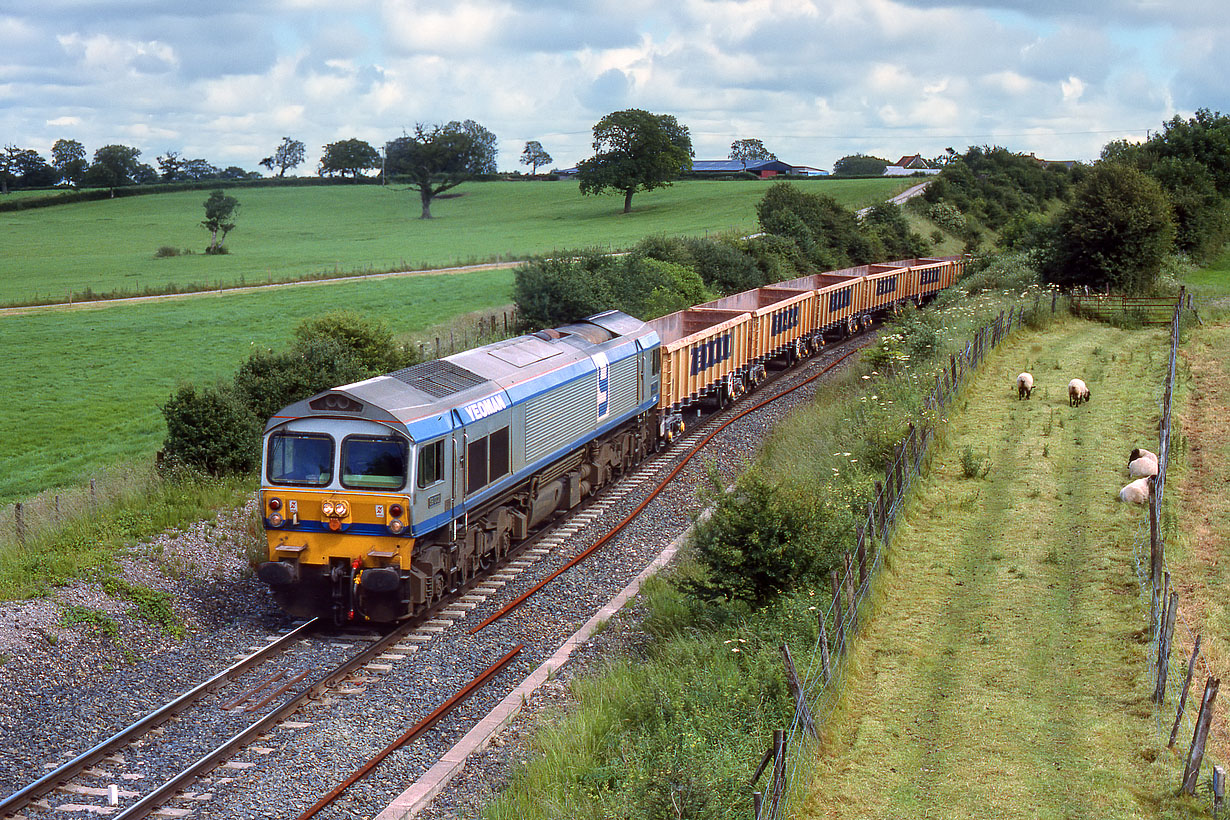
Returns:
point(1174, 660)
point(824, 671)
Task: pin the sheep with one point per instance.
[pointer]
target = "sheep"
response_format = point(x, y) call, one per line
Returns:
point(1078, 393)
point(1140, 453)
point(1135, 493)
point(1024, 386)
point(1144, 466)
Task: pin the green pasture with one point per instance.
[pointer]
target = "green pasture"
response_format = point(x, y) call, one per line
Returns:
point(1002, 673)
point(293, 233)
point(83, 387)
point(1213, 280)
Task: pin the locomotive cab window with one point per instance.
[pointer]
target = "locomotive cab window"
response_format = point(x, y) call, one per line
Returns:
point(431, 464)
point(300, 458)
point(374, 463)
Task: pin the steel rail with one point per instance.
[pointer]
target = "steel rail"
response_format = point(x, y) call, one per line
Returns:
point(414, 731)
point(654, 493)
point(48, 782)
point(160, 795)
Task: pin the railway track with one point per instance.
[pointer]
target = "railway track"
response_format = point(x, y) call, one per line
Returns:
point(382, 681)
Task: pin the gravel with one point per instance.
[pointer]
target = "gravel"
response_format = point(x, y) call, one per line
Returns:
point(66, 687)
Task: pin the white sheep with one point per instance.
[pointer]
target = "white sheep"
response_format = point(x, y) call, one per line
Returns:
point(1144, 466)
point(1135, 493)
point(1024, 386)
point(1078, 393)
point(1141, 453)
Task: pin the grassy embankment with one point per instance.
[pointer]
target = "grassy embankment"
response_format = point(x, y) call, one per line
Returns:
point(1001, 671)
point(287, 234)
point(85, 385)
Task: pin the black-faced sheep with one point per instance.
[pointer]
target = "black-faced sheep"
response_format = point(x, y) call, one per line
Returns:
point(1144, 466)
point(1078, 393)
point(1024, 386)
point(1140, 453)
point(1135, 493)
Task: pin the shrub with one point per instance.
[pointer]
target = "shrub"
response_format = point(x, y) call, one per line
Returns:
point(369, 341)
point(754, 547)
point(210, 429)
point(164, 251)
point(269, 381)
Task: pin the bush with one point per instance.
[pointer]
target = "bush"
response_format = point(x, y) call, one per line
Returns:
point(269, 381)
point(754, 547)
point(210, 429)
point(164, 251)
point(369, 341)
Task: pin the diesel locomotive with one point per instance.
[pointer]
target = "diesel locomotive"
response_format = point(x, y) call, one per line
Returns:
point(380, 496)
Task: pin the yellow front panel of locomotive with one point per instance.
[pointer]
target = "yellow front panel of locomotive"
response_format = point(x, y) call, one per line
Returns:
point(359, 530)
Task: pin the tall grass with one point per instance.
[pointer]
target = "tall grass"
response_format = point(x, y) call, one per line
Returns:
point(79, 534)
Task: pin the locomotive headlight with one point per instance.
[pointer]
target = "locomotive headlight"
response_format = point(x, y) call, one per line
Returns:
point(396, 527)
point(327, 508)
point(340, 509)
point(275, 504)
point(395, 510)
point(276, 520)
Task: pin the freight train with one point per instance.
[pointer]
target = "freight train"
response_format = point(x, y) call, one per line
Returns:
point(379, 497)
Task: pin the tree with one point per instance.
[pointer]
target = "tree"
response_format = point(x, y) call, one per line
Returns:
point(351, 157)
point(750, 150)
point(859, 165)
point(483, 159)
point(286, 156)
point(8, 168)
point(535, 155)
point(434, 159)
point(219, 218)
point(171, 166)
point(1115, 232)
point(635, 150)
point(68, 158)
point(115, 165)
point(24, 168)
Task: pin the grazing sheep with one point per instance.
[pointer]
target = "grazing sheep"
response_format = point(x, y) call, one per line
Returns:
point(1024, 386)
point(1144, 466)
point(1139, 453)
point(1078, 393)
point(1135, 493)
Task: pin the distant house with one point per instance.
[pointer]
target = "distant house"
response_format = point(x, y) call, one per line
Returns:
point(763, 168)
point(1047, 163)
point(908, 166)
point(808, 171)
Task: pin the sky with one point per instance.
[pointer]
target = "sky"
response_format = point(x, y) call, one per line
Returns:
point(814, 80)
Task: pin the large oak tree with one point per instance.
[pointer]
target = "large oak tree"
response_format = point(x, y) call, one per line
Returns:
point(635, 150)
point(436, 158)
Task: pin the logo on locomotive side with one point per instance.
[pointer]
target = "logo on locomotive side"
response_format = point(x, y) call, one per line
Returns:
point(604, 385)
point(485, 407)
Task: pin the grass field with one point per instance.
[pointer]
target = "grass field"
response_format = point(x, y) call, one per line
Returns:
point(1002, 673)
point(294, 233)
point(83, 386)
point(1213, 280)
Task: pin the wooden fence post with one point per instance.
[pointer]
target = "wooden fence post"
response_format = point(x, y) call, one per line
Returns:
point(801, 711)
point(871, 521)
point(1187, 684)
point(1163, 647)
point(862, 559)
point(826, 667)
point(20, 521)
point(93, 493)
point(1156, 554)
point(839, 621)
point(779, 770)
point(1195, 753)
point(755, 805)
point(851, 593)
